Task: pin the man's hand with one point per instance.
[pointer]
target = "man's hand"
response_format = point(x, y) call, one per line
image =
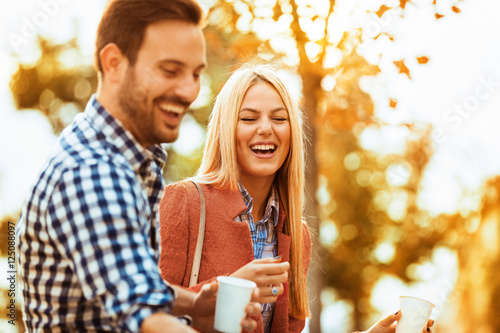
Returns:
point(388, 325)
point(201, 307)
point(157, 323)
point(204, 309)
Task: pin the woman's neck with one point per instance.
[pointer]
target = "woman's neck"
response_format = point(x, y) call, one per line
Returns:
point(259, 191)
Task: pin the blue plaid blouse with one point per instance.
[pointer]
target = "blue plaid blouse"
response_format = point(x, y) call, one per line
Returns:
point(87, 233)
point(264, 238)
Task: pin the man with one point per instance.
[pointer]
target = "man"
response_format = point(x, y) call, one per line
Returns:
point(87, 236)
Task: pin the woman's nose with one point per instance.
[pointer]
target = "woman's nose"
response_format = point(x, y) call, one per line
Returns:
point(264, 128)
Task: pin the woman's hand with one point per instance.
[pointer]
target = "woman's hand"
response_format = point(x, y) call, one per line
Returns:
point(388, 325)
point(269, 274)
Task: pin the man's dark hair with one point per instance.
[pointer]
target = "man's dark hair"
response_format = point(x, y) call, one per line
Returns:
point(125, 21)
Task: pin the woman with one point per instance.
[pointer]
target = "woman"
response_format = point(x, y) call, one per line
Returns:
point(252, 177)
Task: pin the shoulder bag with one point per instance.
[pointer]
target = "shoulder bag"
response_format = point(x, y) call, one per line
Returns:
point(195, 269)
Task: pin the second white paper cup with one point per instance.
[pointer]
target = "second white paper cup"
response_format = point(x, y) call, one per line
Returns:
point(415, 313)
point(233, 296)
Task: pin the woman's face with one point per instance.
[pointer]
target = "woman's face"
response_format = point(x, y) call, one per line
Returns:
point(262, 133)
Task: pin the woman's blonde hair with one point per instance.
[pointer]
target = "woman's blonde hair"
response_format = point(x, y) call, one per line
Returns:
point(219, 166)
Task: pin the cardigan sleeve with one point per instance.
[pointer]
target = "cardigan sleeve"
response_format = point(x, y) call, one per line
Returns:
point(174, 233)
point(296, 325)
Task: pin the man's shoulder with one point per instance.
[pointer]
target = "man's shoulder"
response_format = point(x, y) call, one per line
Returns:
point(80, 145)
point(81, 154)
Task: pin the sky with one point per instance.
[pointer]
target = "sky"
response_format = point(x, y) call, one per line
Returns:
point(457, 92)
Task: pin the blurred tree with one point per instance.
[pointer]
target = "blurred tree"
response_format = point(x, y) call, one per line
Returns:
point(473, 304)
point(58, 85)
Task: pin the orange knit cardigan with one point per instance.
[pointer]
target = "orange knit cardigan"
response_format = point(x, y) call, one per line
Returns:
point(227, 246)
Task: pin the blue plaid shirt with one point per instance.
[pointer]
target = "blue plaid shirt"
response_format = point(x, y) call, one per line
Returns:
point(87, 233)
point(264, 239)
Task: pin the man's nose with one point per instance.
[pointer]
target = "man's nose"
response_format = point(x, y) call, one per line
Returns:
point(188, 89)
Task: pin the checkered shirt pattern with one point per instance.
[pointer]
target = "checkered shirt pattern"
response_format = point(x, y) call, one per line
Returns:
point(87, 233)
point(264, 239)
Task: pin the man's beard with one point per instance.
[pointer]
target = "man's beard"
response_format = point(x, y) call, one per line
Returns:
point(133, 101)
point(131, 95)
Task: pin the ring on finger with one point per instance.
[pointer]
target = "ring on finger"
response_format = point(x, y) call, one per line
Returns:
point(274, 291)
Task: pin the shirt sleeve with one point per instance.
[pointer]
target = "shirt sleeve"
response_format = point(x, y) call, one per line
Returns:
point(98, 221)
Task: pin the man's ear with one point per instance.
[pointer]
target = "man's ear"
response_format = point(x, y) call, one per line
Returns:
point(113, 62)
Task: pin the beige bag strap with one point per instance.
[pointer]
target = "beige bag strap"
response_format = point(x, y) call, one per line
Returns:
point(195, 270)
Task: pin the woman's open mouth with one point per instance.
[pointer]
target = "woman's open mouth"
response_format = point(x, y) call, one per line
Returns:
point(263, 150)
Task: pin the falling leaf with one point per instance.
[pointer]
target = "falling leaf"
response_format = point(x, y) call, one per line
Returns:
point(402, 67)
point(382, 10)
point(402, 3)
point(434, 2)
point(456, 9)
point(422, 60)
point(438, 16)
point(410, 126)
point(391, 38)
point(393, 103)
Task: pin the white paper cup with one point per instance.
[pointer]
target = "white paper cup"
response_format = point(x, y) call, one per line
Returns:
point(233, 296)
point(415, 313)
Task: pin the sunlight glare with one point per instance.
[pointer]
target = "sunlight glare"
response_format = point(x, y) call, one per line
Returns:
point(397, 207)
point(328, 233)
point(385, 252)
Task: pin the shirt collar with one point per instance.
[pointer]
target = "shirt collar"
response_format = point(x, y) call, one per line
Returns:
point(121, 138)
point(271, 207)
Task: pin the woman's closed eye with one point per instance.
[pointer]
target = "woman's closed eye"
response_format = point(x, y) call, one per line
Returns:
point(247, 119)
point(280, 119)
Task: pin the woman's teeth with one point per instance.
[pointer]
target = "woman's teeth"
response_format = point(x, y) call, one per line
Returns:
point(263, 148)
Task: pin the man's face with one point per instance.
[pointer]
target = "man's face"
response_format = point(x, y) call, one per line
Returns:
point(158, 90)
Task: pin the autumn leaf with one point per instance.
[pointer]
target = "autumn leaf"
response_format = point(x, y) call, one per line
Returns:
point(422, 60)
point(393, 103)
point(438, 16)
point(402, 68)
point(402, 3)
point(391, 38)
point(456, 9)
point(409, 126)
point(382, 10)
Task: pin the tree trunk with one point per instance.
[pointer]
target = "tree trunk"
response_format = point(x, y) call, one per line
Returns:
point(316, 274)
